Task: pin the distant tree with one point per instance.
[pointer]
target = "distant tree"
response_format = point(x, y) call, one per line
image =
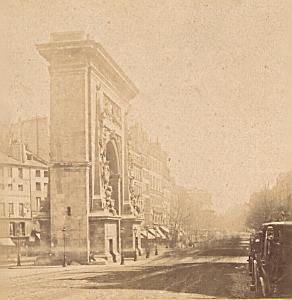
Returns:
point(270, 203)
point(191, 212)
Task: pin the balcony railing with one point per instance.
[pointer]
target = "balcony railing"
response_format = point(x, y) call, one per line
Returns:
point(40, 214)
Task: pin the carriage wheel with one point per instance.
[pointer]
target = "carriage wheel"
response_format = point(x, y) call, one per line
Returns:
point(250, 261)
point(252, 286)
point(257, 281)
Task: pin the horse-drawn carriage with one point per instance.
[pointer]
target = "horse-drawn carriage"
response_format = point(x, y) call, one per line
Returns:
point(270, 260)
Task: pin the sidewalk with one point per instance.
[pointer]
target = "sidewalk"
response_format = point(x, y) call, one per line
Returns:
point(12, 272)
point(25, 260)
point(28, 263)
point(142, 260)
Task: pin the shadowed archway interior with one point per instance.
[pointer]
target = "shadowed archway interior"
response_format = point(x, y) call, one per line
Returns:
point(112, 158)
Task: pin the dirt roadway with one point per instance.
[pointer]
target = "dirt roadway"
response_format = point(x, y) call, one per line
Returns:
point(176, 274)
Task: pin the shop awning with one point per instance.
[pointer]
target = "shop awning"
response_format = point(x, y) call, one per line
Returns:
point(160, 234)
point(165, 229)
point(6, 242)
point(152, 231)
point(145, 235)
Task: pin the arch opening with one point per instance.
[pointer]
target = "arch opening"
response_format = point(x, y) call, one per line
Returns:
point(112, 158)
point(114, 180)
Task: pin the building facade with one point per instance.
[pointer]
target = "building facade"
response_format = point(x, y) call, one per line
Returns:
point(91, 208)
point(151, 180)
point(24, 203)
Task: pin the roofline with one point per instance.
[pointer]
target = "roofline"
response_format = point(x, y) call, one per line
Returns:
point(124, 76)
point(45, 48)
point(15, 162)
point(277, 223)
point(25, 165)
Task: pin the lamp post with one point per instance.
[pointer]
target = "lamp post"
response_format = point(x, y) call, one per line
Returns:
point(122, 246)
point(156, 249)
point(18, 249)
point(64, 249)
point(147, 244)
point(135, 238)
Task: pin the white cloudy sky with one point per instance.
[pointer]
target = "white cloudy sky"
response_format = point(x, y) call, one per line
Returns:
point(214, 78)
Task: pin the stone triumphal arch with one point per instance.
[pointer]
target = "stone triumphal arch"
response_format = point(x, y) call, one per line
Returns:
point(89, 185)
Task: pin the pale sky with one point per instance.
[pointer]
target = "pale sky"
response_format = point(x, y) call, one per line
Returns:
point(214, 79)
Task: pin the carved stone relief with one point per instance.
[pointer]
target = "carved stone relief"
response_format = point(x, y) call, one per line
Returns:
point(106, 192)
point(112, 112)
point(109, 111)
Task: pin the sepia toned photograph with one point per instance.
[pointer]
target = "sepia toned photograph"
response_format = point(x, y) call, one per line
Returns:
point(145, 149)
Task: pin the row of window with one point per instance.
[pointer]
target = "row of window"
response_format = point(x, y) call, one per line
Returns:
point(146, 174)
point(11, 209)
point(146, 187)
point(39, 206)
point(152, 163)
point(157, 218)
point(38, 186)
point(138, 190)
point(156, 184)
point(20, 172)
point(16, 229)
point(137, 173)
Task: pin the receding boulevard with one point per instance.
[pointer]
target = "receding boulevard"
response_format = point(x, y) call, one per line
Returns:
point(209, 271)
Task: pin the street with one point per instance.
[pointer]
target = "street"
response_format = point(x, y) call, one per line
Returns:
point(145, 150)
point(181, 273)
